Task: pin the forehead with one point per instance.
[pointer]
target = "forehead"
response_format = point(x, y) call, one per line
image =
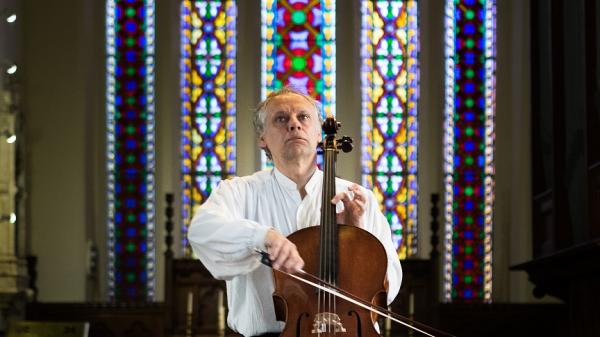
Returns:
point(290, 102)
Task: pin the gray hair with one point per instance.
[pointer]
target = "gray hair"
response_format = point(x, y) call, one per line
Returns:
point(260, 113)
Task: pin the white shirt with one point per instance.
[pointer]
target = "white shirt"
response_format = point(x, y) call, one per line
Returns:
point(233, 222)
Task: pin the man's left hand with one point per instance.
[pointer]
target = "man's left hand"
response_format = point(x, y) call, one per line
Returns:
point(354, 206)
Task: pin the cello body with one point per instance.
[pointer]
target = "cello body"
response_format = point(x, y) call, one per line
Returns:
point(360, 272)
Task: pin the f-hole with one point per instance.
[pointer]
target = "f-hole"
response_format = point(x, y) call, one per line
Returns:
point(358, 322)
point(298, 321)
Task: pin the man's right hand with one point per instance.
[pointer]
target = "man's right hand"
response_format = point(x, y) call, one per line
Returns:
point(282, 252)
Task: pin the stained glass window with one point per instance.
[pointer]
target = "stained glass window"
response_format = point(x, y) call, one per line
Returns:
point(390, 92)
point(208, 51)
point(298, 49)
point(130, 149)
point(469, 149)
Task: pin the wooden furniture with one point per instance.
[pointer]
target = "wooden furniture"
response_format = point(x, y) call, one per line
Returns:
point(105, 319)
point(47, 329)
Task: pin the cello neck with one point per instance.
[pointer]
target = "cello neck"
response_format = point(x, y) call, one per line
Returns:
point(329, 228)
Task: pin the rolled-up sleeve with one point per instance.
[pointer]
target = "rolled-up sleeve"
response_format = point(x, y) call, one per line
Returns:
point(221, 237)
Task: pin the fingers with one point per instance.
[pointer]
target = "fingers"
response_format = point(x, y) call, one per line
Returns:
point(354, 193)
point(283, 253)
point(354, 201)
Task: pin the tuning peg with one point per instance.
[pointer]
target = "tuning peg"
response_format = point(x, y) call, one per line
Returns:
point(345, 144)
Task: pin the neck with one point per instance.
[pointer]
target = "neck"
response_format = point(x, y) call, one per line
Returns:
point(298, 171)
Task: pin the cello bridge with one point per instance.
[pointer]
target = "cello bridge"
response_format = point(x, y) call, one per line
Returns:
point(327, 322)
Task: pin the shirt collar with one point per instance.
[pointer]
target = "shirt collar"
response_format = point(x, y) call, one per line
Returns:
point(290, 185)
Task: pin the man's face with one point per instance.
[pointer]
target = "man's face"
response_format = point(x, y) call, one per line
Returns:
point(292, 128)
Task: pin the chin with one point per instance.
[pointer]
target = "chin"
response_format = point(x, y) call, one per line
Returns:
point(297, 153)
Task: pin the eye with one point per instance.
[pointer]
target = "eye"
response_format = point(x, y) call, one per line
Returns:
point(280, 119)
point(304, 117)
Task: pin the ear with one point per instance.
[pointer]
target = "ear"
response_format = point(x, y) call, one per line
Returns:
point(261, 142)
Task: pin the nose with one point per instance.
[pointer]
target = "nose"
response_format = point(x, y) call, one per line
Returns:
point(294, 124)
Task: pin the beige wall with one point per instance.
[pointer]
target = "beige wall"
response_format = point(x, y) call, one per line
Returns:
point(63, 48)
point(513, 219)
point(56, 65)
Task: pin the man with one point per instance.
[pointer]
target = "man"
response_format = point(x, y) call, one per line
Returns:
point(258, 212)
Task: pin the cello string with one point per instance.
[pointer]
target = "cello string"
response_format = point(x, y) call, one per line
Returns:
point(334, 229)
point(330, 233)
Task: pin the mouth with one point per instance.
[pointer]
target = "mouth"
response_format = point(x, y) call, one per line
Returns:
point(295, 139)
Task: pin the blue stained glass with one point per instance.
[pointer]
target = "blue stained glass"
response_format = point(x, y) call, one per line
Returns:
point(131, 232)
point(317, 18)
point(143, 217)
point(468, 264)
point(130, 56)
point(469, 29)
point(130, 26)
point(457, 102)
point(468, 293)
point(130, 203)
point(457, 14)
point(481, 43)
point(469, 88)
point(469, 58)
point(130, 85)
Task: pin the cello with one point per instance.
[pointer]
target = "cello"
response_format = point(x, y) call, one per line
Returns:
point(350, 290)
